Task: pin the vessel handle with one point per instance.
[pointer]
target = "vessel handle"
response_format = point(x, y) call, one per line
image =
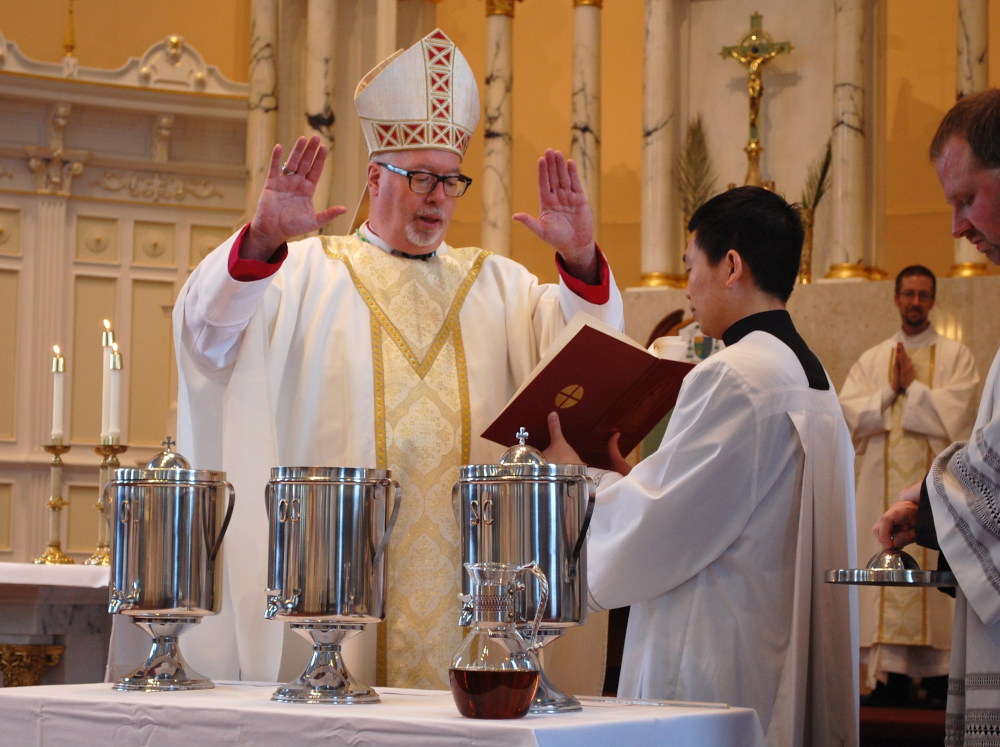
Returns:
point(380, 550)
point(225, 522)
point(543, 585)
point(574, 559)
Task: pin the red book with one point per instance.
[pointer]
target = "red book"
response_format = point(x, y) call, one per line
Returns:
point(600, 382)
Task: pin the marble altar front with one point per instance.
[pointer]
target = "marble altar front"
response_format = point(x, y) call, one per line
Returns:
point(56, 606)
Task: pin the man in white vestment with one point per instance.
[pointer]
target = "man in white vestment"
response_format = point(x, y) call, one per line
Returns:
point(905, 400)
point(386, 348)
point(719, 539)
point(956, 509)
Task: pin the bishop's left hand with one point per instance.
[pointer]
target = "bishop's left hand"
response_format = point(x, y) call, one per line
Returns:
point(564, 219)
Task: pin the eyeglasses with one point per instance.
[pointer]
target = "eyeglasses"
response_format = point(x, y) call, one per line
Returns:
point(423, 182)
point(909, 295)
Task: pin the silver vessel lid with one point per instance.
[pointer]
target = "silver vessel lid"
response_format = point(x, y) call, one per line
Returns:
point(168, 467)
point(891, 567)
point(168, 458)
point(521, 461)
point(522, 453)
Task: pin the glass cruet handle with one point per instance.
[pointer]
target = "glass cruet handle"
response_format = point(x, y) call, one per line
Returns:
point(543, 584)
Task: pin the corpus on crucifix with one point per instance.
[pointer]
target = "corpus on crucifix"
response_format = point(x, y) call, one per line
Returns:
point(755, 49)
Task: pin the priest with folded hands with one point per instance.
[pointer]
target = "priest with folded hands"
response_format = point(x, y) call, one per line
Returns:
point(718, 541)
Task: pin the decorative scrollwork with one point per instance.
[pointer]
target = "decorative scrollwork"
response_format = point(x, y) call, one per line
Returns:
point(25, 665)
point(155, 187)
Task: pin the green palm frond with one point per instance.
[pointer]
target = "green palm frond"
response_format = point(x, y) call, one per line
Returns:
point(694, 173)
point(818, 181)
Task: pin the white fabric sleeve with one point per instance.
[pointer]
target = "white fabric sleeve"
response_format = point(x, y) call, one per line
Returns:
point(218, 308)
point(612, 312)
point(683, 506)
point(866, 403)
point(948, 411)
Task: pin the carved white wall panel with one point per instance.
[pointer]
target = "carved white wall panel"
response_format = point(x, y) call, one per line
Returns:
point(160, 182)
point(10, 231)
point(6, 500)
point(153, 243)
point(169, 65)
point(96, 239)
point(204, 239)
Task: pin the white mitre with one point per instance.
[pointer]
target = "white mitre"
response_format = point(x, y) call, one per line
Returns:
point(425, 97)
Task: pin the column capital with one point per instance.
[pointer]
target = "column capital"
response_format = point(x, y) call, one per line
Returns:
point(596, 3)
point(500, 7)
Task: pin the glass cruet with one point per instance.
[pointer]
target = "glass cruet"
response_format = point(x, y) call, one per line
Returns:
point(494, 673)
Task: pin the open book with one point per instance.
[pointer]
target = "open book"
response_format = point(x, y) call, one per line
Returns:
point(600, 382)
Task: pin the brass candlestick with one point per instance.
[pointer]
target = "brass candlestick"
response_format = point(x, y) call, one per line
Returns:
point(109, 451)
point(54, 555)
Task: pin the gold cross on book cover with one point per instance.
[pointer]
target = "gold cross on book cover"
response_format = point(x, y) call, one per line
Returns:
point(600, 381)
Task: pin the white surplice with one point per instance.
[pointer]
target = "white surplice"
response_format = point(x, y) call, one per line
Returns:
point(719, 541)
point(964, 492)
point(897, 437)
point(281, 371)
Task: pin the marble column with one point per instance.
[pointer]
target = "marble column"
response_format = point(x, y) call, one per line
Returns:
point(660, 210)
point(585, 147)
point(848, 196)
point(497, 126)
point(973, 75)
point(262, 121)
point(321, 92)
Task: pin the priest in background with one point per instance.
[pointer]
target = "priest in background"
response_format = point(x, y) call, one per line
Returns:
point(956, 509)
point(386, 348)
point(905, 400)
point(719, 539)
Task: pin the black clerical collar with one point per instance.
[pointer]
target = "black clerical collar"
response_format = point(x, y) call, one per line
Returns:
point(779, 324)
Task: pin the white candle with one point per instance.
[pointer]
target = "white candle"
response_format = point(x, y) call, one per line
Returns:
point(107, 340)
point(115, 377)
point(58, 371)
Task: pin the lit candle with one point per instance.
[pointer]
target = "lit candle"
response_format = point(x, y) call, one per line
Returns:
point(114, 414)
point(107, 340)
point(58, 370)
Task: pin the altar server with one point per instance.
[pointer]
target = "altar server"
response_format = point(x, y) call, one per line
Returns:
point(384, 348)
point(955, 509)
point(905, 400)
point(719, 539)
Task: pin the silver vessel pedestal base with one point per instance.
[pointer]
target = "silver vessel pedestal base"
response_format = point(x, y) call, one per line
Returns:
point(548, 698)
point(326, 679)
point(165, 668)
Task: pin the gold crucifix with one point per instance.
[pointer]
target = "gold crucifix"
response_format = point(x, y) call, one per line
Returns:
point(755, 49)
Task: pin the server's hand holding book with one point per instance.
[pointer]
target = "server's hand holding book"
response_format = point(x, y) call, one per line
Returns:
point(601, 382)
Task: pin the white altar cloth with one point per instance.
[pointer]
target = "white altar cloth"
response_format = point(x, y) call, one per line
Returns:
point(88, 576)
point(243, 714)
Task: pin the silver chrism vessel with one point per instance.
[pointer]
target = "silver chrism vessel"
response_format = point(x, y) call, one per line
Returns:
point(525, 510)
point(327, 568)
point(167, 524)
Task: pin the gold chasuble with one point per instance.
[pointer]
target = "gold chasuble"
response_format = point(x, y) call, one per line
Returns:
point(422, 434)
point(902, 616)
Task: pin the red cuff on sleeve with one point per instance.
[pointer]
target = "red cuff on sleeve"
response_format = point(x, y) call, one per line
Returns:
point(595, 294)
point(246, 270)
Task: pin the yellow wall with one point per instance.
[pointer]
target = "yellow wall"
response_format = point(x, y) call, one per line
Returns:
point(108, 32)
point(920, 88)
point(921, 70)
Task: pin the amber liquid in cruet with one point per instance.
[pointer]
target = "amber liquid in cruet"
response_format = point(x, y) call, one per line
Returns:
point(487, 693)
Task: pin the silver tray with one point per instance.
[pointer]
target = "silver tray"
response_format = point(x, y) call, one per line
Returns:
point(884, 577)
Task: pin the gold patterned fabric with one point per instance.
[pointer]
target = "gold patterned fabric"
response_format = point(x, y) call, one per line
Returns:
point(422, 424)
point(903, 617)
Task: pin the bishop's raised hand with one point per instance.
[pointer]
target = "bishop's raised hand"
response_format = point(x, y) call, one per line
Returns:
point(564, 219)
point(285, 207)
